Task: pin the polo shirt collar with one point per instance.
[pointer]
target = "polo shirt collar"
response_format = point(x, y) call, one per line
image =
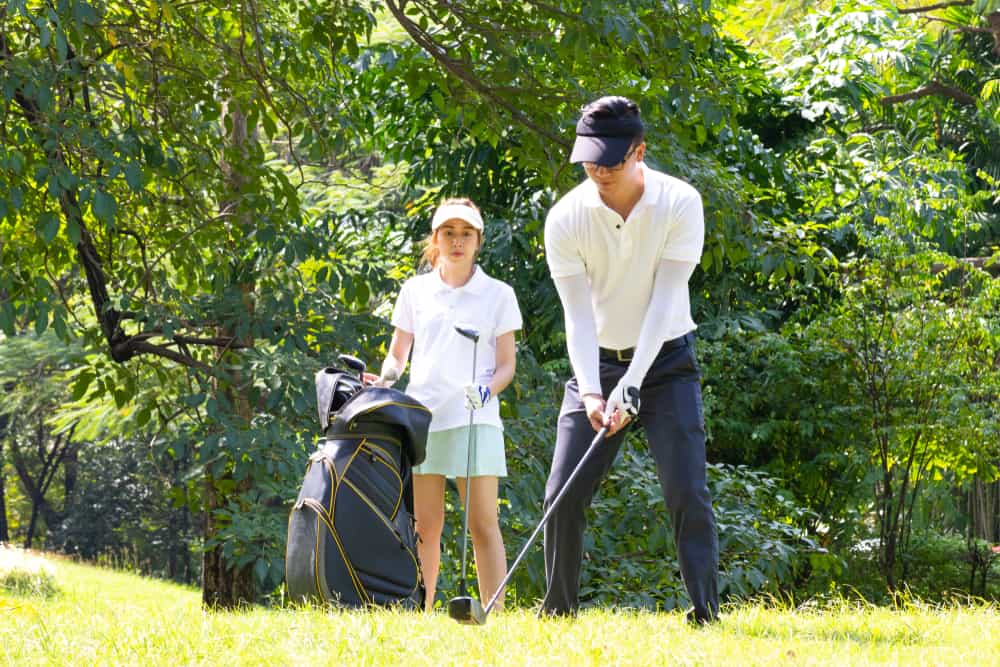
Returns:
point(650, 191)
point(476, 285)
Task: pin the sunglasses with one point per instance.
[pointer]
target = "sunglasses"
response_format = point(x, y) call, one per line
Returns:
point(593, 166)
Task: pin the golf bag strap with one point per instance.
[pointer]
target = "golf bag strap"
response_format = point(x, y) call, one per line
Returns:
point(372, 430)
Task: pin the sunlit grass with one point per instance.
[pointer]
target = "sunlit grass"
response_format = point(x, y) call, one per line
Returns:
point(106, 617)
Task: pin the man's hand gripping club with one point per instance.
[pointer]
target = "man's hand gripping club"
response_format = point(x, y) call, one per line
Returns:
point(622, 405)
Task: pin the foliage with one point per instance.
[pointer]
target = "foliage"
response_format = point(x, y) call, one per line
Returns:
point(23, 574)
point(774, 402)
point(131, 511)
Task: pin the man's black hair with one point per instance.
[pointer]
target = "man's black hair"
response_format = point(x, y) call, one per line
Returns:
point(615, 106)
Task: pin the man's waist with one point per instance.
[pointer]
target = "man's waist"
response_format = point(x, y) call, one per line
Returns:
point(624, 355)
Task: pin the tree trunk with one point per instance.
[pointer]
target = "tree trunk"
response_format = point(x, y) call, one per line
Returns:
point(223, 586)
point(31, 525)
point(4, 532)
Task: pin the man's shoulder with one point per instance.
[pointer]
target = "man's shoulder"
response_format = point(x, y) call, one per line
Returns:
point(570, 207)
point(671, 187)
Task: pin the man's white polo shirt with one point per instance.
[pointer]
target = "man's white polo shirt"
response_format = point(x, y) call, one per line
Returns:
point(621, 257)
point(441, 362)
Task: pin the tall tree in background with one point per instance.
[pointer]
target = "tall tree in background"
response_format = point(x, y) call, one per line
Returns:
point(4, 531)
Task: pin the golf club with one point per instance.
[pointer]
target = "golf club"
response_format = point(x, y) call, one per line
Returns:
point(595, 443)
point(465, 608)
point(354, 364)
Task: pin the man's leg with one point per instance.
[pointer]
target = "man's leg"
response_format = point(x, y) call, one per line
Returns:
point(671, 414)
point(564, 529)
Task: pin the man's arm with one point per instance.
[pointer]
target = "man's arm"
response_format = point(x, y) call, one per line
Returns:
point(581, 343)
point(666, 304)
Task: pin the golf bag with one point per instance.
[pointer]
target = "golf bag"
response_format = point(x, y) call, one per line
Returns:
point(351, 539)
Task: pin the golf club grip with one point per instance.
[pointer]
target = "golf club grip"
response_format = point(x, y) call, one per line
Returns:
point(598, 439)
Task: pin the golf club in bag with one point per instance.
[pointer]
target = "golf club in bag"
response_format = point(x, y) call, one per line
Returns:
point(480, 618)
point(465, 608)
point(351, 538)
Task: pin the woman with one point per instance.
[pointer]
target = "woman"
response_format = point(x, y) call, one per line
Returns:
point(455, 291)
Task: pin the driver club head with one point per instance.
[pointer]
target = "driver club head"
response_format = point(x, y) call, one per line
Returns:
point(467, 610)
point(469, 332)
point(353, 363)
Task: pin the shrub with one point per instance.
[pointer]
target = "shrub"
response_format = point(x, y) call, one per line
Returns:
point(25, 575)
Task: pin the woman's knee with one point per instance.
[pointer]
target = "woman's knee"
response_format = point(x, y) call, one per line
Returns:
point(430, 520)
point(484, 524)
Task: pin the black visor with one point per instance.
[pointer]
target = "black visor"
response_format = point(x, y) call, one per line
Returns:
point(605, 140)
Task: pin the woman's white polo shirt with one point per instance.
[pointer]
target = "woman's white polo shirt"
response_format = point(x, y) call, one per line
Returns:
point(441, 361)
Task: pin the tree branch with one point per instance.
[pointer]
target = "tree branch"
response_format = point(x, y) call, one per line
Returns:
point(458, 70)
point(930, 8)
point(932, 88)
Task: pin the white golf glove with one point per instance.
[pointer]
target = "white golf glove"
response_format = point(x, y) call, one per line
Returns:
point(476, 396)
point(619, 399)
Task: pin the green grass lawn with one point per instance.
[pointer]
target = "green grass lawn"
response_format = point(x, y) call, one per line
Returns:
point(108, 617)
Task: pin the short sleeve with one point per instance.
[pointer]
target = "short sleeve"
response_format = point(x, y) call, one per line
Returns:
point(508, 312)
point(402, 313)
point(686, 235)
point(562, 250)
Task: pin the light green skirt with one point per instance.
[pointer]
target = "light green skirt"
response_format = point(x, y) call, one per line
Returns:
point(447, 451)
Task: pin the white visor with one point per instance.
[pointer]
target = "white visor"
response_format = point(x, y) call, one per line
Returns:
point(457, 212)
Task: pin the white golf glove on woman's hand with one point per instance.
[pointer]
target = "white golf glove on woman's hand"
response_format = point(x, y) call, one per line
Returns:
point(476, 396)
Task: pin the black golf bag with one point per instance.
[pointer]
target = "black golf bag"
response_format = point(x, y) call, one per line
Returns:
point(351, 540)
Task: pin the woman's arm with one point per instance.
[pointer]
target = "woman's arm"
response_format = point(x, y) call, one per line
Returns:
point(506, 362)
point(395, 361)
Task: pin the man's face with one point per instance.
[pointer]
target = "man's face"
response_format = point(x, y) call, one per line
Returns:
point(624, 174)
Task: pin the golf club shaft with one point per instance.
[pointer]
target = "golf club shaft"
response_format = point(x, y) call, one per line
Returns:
point(598, 439)
point(468, 469)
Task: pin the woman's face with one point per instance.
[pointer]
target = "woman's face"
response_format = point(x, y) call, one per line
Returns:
point(457, 241)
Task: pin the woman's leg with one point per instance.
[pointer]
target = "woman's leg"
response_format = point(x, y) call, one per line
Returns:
point(487, 543)
point(428, 510)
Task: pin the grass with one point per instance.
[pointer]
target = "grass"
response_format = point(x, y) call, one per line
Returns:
point(107, 617)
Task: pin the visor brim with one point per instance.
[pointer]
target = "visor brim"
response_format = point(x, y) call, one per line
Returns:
point(604, 151)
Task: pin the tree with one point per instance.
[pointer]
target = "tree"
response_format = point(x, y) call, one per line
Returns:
point(4, 530)
point(34, 371)
point(119, 176)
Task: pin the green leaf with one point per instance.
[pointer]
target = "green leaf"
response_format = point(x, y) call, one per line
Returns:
point(7, 318)
point(133, 176)
point(41, 318)
point(194, 400)
point(260, 569)
point(105, 207)
point(73, 231)
point(81, 385)
point(48, 226)
point(62, 48)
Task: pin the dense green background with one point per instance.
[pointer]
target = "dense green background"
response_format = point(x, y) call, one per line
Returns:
point(203, 203)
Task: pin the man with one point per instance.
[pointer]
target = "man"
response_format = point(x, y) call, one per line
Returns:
point(621, 247)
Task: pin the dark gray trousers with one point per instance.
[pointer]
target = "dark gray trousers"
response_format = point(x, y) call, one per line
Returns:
point(670, 412)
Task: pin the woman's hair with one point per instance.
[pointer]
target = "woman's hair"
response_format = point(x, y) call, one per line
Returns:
point(430, 255)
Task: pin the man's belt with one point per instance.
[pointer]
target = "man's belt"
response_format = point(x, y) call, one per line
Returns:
point(624, 356)
point(607, 354)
